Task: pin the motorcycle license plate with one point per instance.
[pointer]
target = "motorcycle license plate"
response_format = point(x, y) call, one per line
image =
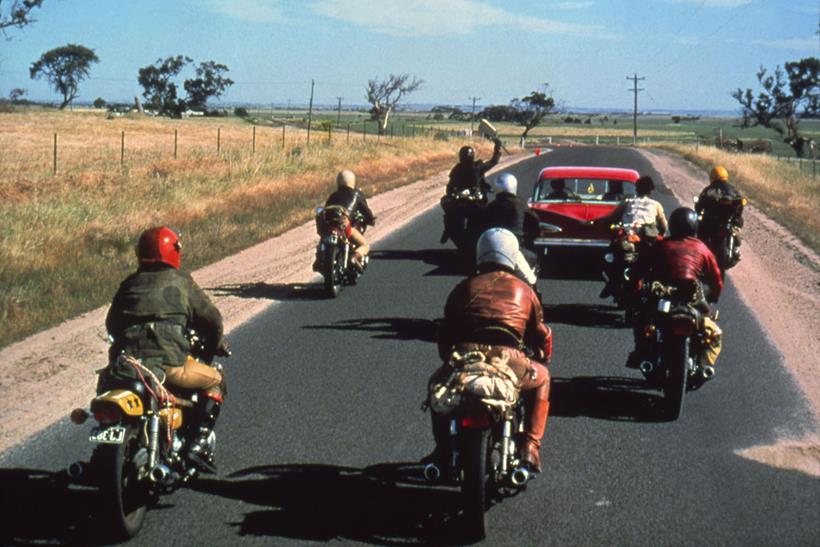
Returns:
point(110, 435)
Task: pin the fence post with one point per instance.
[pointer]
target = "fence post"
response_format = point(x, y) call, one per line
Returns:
point(364, 131)
point(283, 135)
point(618, 139)
point(329, 130)
point(218, 139)
point(122, 149)
point(348, 133)
point(596, 140)
point(253, 146)
point(54, 163)
point(175, 143)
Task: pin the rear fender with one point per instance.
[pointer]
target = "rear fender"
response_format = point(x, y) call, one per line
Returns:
point(126, 401)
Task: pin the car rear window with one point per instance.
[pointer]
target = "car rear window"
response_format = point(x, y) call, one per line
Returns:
point(585, 189)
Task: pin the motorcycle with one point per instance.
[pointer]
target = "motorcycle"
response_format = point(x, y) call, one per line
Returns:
point(481, 452)
point(461, 212)
point(143, 431)
point(723, 239)
point(334, 253)
point(626, 245)
point(676, 341)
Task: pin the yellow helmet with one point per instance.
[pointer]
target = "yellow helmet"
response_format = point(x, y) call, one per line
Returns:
point(719, 173)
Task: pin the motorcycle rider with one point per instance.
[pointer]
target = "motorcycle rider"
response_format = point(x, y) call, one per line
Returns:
point(680, 259)
point(476, 310)
point(646, 217)
point(468, 174)
point(511, 212)
point(148, 320)
point(708, 205)
point(354, 204)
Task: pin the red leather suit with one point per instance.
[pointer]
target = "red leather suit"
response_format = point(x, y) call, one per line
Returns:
point(678, 259)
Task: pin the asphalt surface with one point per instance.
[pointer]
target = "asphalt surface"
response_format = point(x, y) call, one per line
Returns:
point(322, 426)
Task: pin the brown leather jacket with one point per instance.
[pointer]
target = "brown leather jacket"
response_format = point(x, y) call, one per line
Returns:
point(494, 299)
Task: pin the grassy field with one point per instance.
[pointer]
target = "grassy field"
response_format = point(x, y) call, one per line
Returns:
point(68, 239)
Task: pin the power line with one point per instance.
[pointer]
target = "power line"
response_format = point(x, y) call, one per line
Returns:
point(472, 117)
point(635, 89)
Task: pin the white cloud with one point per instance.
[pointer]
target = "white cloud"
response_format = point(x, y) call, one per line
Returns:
point(257, 11)
point(806, 44)
point(435, 18)
point(571, 5)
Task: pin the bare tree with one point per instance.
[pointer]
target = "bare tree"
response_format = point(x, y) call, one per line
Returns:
point(786, 98)
point(384, 95)
point(17, 13)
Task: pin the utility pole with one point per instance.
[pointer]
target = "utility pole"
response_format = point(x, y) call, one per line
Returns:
point(635, 90)
point(339, 115)
point(472, 116)
point(310, 111)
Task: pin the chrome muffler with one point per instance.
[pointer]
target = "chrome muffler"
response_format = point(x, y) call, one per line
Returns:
point(646, 367)
point(520, 476)
point(161, 474)
point(75, 471)
point(431, 472)
point(707, 372)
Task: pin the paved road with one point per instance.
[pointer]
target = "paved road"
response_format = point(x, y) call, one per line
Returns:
point(323, 422)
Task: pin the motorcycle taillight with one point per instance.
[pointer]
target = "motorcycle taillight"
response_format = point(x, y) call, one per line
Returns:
point(682, 326)
point(476, 419)
point(107, 414)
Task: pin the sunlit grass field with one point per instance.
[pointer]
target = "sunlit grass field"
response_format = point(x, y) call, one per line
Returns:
point(68, 239)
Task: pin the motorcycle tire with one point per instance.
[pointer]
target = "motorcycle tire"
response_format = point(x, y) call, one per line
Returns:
point(332, 270)
point(476, 482)
point(676, 365)
point(123, 497)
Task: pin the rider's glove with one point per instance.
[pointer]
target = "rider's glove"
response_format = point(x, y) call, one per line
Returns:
point(223, 349)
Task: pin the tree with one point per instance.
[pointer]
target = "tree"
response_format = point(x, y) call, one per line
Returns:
point(209, 82)
point(159, 89)
point(786, 98)
point(16, 95)
point(99, 102)
point(384, 96)
point(17, 14)
point(533, 108)
point(64, 68)
point(161, 92)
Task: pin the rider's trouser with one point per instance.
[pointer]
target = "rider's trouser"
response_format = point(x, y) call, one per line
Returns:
point(359, 242)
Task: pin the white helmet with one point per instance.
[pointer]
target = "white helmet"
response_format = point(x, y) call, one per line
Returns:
point(499, 246)
point(506, 182)
point(346, 178)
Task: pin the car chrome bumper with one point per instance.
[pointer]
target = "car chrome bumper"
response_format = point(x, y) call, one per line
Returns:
point(569, 242)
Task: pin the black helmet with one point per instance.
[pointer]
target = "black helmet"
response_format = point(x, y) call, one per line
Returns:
point(683, 222)
point(466, 154)
point(644, 185)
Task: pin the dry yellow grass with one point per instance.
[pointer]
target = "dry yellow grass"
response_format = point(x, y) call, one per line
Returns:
point(782, 189)
point(67, 239)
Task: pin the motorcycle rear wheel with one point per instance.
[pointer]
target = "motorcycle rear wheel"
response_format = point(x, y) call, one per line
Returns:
point(676, 360)
point(331, 270)
point(476, 482)
point(123, 497)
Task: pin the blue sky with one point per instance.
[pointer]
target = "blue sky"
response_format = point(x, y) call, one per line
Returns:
point(693, 53)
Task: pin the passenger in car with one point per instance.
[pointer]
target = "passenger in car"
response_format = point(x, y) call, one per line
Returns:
point(615, 192)
point(559, 190)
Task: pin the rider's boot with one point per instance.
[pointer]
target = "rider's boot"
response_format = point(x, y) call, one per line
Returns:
point(536, 422)
point(201, 449)
point(441, 436)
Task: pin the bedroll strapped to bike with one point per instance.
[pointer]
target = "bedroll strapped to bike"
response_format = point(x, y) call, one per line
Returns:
point(485, 376)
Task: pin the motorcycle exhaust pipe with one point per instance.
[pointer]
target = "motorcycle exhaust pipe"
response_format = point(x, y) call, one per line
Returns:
point(160, 474)
point(520, 476)
point(431, 472)
point(646, 367)
point(708, 372)
point(75, 471)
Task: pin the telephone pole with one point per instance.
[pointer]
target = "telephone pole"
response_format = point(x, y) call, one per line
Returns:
point(472, 116)
point(310, 111)
point(339, 115)
point(635, 90)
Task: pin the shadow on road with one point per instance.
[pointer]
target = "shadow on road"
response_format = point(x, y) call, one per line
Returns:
point(606, 398)
point(573, 265)
point(387, 328)
point(385, 504)
point(585, 315)
point(447, 261)
point(275, 291)
point(38, 507)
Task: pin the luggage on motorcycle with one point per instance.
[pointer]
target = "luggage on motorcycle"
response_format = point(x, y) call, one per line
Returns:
point(713, 340)
point(485, 376)
point(333, 216)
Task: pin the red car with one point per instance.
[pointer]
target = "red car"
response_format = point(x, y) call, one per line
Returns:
point(577, 205)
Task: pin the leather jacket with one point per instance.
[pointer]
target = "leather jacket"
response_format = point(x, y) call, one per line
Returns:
point(490, 300)
point(355, 203)
point(713, 212)
point(469, 175)
point(511, 212)
point(674, 260)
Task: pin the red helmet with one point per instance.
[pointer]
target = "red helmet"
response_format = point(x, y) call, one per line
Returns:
point(160, 245)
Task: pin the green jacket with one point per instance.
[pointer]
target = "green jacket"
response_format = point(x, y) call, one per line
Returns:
point(149, 317)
